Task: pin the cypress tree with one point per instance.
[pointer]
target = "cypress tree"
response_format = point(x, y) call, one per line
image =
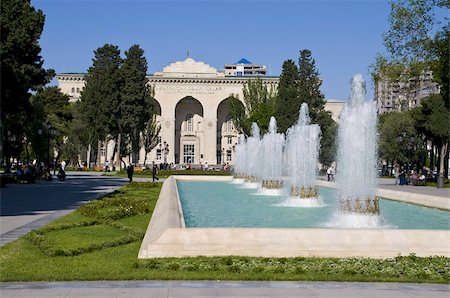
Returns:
point(309, 91)
point(288, 104)
point(135, 104)
point(100, 98)
point(309, 84)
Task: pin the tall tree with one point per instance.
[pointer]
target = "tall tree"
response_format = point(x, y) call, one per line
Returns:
point(101, 97)
point(135, 107)
point(288, 103)
point(21, 69)
point(308, 85)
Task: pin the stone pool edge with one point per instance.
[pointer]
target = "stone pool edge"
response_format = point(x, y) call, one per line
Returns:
point(166, 236)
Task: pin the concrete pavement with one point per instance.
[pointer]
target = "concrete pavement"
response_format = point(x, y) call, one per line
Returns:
point(24, 207)
point(222, 289)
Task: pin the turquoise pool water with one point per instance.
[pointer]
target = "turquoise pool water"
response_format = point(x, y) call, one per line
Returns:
point(223, 204)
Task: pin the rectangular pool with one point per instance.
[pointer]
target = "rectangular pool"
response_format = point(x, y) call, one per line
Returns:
point(224, 204)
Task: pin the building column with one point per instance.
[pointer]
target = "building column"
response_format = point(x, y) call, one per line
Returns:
point(210, 140)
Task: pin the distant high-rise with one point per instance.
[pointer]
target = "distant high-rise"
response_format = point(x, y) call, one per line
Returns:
point(244, 68)
point(403, 94)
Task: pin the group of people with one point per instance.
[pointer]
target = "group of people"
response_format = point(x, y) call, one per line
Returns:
point(402, 177)
point(130, 172)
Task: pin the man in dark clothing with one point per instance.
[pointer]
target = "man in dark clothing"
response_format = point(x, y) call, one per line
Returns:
point(154, 170)
point(130, 170)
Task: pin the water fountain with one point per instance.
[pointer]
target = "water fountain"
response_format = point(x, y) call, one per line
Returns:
point(272, 156)
point(240, 169)
point(253, 159)
point(302, 150)
point(356, 161)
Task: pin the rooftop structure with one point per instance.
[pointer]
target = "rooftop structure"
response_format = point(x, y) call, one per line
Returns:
point(244, 68)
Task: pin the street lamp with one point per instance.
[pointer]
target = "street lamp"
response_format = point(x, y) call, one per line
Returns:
point(51, 131)
point(223, 155)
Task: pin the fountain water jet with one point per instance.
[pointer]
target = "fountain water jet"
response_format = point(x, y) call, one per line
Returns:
point(253, 159)
point(240, 169)
point(272, 160)
point(302, 150)
point(356, 161)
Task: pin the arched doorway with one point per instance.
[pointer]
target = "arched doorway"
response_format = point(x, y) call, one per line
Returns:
point(227, 135)
point(189, 132)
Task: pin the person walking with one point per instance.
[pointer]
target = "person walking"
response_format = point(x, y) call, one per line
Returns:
point(154, 170)
point(130, 170)
point(396, 171)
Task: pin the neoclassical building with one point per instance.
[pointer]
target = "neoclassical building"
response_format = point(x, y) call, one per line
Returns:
point(192, 99)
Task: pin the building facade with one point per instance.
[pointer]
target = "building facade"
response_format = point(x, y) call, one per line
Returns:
point(403, 95)
point(192, 108)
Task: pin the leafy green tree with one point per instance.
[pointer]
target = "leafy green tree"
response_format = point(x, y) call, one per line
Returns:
point(398, 141)
point(259, 106)
point(52, 108)
point(149, 137)
point(288, 103)
point(100, 100)
point(237, 113)
point(135, 107)
point(22, 70)
point(432, 119)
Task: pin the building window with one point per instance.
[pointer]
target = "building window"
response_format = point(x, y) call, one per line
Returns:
point(78, 90)
point(103, 152)
point(188, 153)
point(230, 140)
point(158, 154)
point(229, 124)
point(159, 139)
point(189, 124)
point(73, 89)
point(228, 155)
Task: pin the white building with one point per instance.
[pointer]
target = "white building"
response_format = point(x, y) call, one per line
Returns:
point(192, 99)
point(244, 68)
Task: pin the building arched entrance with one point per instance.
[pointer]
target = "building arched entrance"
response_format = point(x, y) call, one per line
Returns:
point(226, 134)
point(189, 131)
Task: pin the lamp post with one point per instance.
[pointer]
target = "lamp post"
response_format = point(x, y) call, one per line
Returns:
point(50, 132)
point(223, 155)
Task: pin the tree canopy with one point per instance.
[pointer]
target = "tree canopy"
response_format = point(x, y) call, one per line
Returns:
point(21, 68)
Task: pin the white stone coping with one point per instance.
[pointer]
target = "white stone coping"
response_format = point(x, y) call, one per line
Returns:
point(166, 236)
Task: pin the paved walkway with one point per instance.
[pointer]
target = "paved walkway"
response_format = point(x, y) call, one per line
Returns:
point(24, 207)
point(387, 183)
point(222, 289)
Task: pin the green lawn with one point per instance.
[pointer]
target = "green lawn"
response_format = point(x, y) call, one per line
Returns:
point(101, 240)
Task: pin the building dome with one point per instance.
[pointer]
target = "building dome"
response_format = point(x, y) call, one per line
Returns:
point(189, 68)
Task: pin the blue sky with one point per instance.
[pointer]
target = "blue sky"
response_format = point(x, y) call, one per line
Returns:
point(344, 36)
